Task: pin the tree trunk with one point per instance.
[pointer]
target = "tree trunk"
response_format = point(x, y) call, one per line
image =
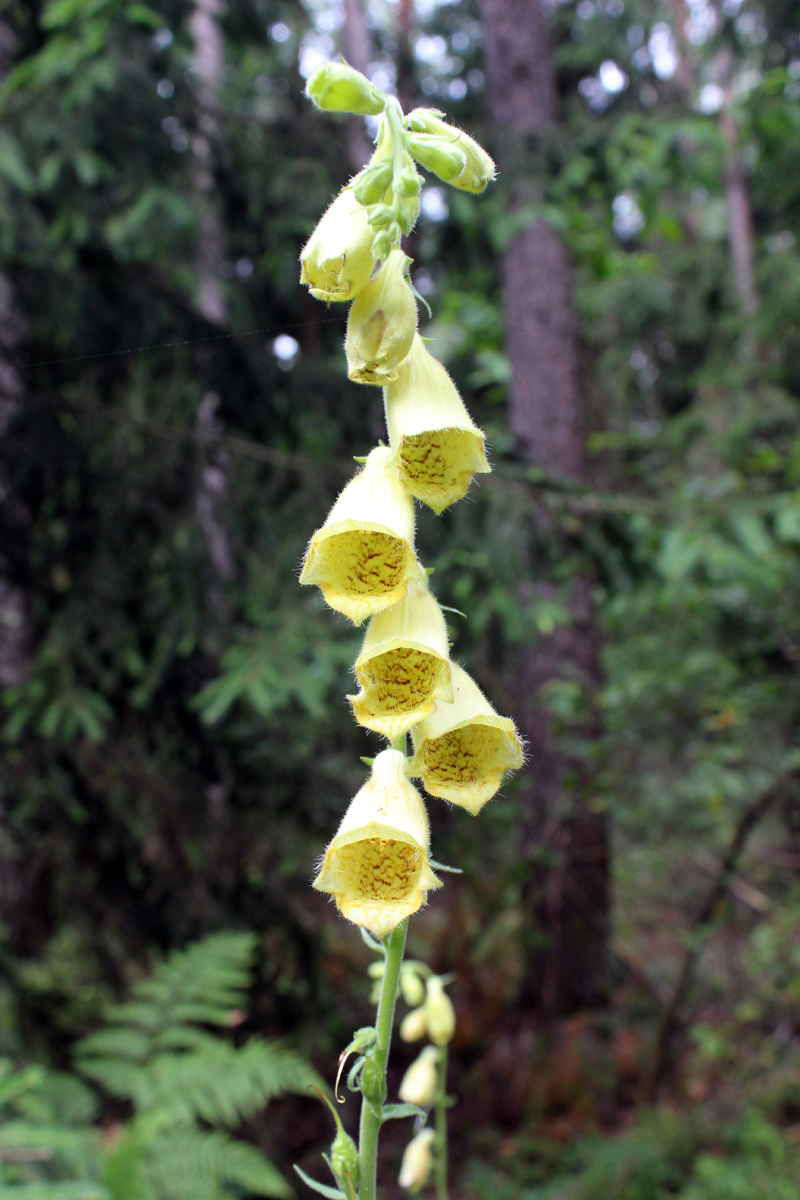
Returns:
point(208, 62)
point(568, 883)
point(357, 52)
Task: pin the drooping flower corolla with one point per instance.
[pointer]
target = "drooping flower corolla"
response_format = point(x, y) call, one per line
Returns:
point(418, 1085)
point(463, 750)
point(376, 868)
point(436, 445)
point(363, 557)
point(417, 1161)
point(404, 665)
point(381, 324)
point(337, 259)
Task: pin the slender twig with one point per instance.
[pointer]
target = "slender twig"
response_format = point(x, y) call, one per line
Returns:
point(671, 1017)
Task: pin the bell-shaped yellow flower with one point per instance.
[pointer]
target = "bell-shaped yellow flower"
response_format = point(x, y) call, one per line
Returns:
point(381, 324)
point(363, 556)
point(376, 868)
point(437, 446)
point(337, 260)
point(404, 665)
point(463, 750)
point(417, 1161)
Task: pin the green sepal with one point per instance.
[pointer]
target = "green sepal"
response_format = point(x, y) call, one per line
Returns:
point(354, 1072)
point(393, 1112)
point(322, 1188)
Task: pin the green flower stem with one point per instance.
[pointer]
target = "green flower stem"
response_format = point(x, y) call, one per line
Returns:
point(441, 1127)
point(370, 1124)
point(394, 119)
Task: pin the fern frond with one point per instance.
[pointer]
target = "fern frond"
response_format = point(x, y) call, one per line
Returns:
point(198, 1165)
point(221, 1084)
point(55, 1191)
point(117, 1042)
point(16, 1083)
point(55, 1138)
point(200, 985)
point(122, 1079)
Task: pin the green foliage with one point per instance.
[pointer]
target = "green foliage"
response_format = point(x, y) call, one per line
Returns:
point(184, 1081)
point(668, 1156)
point(48, 1149)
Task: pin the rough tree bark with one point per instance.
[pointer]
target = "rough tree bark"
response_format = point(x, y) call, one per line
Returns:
point(568, 891)
point(208, 62)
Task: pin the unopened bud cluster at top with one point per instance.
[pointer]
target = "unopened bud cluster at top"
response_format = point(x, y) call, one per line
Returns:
point(363, 558)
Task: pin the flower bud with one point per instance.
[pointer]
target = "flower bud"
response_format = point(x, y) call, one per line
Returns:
point(417, 1161)
point(439, 155)
point(409, 182)
point(336, 87)
point(421, 1079)
point(376, 868)
point(373, 182)
point(414, 1025)
point(344, 1161)
point(372, 1084)
point(337, 260)
point(363, 556)
point(437, 447)
point(463, 750)
point(381, 324)
point(439, 1012)
point(411, 985)
point(478, 168)
point(382, 245)
point(404, 665)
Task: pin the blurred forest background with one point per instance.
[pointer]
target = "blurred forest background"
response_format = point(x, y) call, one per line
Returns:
point(621, 311)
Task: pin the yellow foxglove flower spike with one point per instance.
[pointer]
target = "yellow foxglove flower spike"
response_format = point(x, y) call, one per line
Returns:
point(363, 556)
point(404, 665)
point(376, 868)
point(418, 1085)
point(464, 749)
point(381, 324)
point(417, 1161)
point(437, 137)
point(337, 260)
point(437, 446)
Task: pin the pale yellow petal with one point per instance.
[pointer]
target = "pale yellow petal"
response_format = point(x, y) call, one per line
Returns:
point(363, 557)
point(376, 867)
point(437, 446)
point(404, 666)
point(463, 750)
